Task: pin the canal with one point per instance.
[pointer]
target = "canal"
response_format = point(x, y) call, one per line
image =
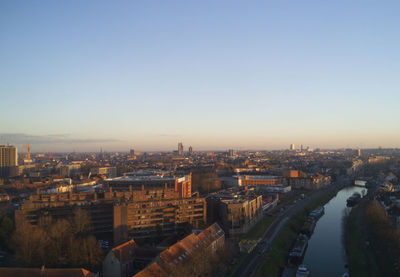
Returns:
point(325, 254)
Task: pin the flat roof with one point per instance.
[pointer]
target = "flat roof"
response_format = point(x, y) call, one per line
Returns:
point(256, 177)
point(145, 178)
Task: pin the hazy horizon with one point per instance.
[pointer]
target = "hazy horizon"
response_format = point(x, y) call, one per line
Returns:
point(85, 75)
point(56, 144)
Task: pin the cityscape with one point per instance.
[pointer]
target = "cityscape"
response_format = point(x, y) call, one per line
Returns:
point(187, 138)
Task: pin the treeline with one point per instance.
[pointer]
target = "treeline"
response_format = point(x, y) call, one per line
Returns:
point(385, 239)
point(61, 243)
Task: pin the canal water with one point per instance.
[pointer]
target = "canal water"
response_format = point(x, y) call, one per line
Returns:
point(325, 255)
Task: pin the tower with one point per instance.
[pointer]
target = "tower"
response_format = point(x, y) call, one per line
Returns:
point(8, 159)
point(180, 148)
point(292, 147)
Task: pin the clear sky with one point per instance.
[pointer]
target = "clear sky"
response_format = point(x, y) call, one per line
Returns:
point(80, 75)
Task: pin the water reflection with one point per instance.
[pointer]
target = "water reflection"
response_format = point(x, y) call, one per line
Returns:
point(325, 254)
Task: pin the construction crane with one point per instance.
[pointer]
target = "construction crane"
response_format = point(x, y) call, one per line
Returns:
point(28, 156)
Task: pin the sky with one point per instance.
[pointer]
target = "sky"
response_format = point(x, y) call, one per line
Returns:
point(84, 75)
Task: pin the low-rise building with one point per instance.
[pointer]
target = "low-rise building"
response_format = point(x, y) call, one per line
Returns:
point(256, 180)
point(235, 212)
point(110, 172)
point(172, 259)
point(119, 262)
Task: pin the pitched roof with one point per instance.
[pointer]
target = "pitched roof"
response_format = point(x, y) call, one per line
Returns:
point(153, 270)
point(181, 250)
point(46, 272)
point(126, 251)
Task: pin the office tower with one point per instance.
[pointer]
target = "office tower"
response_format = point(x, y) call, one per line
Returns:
point(180, 148)
point(359, 152)
point(190, 150)
point(8, 159)
point(292, 146)
point(301, 148)
point(133, 152)
point(231, 153)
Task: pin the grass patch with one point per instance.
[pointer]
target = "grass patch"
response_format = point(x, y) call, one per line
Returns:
point(254, 233)
point(236, 265)
point(258, 230)
point(277, 256)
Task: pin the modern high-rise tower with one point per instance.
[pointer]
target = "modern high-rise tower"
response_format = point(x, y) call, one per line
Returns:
point(190, 150)
point(8, 159)
point(292, 147)
point(180, 148)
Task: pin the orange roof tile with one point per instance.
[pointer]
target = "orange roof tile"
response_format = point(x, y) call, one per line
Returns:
point(153, 270)
point(125, 252)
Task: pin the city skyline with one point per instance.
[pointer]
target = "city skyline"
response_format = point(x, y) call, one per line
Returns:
point(84, 75)
point(54, 147)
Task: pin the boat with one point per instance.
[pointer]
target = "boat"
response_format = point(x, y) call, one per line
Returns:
point(308, 226)
point(354, 199)
point(296, 254)
point(318, 212)
point(302, 271)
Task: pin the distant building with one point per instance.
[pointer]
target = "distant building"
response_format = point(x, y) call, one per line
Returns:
point(310, 182)
point(70, 170)
point(134, 152)
point(378, 159)
point(359, 152)
point(8, 160)
point(256, 180)
point(190, 150)
point(293, 173)
point(292, 147)
point(180, 148)
point(232, 153)
point(110, 172)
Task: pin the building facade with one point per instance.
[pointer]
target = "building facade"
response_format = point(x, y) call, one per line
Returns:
point(256, 180)
point(8, 160)
point(120, 215)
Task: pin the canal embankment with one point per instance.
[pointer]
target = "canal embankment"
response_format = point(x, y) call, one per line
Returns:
point(277, 257)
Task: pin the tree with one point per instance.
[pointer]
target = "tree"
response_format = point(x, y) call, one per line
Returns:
point(58, 243)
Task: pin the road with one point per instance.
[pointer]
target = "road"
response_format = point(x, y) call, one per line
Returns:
point(255, 259)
